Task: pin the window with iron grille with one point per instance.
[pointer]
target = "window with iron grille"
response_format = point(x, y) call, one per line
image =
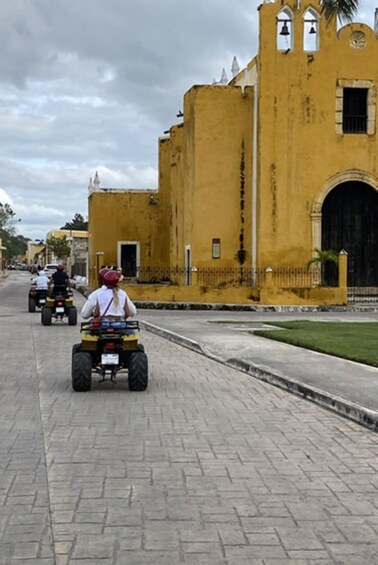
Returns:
point(355, 110)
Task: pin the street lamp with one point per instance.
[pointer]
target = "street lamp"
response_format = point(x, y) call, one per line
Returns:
point(70, 240)
point(98, 255)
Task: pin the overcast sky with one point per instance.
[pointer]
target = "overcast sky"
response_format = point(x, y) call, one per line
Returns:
point(90, 85)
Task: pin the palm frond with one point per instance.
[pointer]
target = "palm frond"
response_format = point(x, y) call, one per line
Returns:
point(345, 10)
point(323, 256)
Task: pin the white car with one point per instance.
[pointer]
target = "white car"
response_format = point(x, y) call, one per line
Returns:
point(48, 269)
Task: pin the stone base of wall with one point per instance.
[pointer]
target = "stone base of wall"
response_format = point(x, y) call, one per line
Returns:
point(237, 295)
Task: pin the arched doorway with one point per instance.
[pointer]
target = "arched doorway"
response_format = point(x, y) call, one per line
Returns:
point(350, 222)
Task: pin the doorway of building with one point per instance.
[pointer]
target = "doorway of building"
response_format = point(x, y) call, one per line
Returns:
point(350, 222)
point(128, 258)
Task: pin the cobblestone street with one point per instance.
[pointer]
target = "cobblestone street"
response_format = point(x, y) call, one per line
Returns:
point(208, 466)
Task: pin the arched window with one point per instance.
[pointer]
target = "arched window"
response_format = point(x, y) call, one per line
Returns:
point(310, 30)
point(285, 35)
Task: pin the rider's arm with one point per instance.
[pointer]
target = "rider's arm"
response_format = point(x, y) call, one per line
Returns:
point(130, 308)
point(96, 311)
point(89, 306)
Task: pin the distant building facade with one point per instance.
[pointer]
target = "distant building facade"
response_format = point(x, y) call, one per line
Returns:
point(77, 260)
point(35, 253)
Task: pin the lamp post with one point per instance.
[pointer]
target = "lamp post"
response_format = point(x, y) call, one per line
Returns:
point(70, 239)
point(98, 255)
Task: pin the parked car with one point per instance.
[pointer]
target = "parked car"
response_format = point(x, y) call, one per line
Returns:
point(49, 269)
point(77, 281)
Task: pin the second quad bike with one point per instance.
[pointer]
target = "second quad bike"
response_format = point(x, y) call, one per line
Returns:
point(37, 298)
point(108, 348)
point(58, 305)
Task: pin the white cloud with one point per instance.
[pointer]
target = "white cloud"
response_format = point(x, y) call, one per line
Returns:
point(5, 198)
point(90, 85)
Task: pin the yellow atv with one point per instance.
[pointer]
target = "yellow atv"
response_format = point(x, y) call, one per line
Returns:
point(37, 298)
point(107, 348)
point(58, 305)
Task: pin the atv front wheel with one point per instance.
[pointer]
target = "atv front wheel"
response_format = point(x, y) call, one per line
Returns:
point(138, 371)
point(46, 316)
point(31, 305)
point(81, 371)
point(72, 316)
point(75, 349)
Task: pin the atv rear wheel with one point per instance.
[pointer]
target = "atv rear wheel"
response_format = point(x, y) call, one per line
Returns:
point(46, 316)
point(138, 371)
point(72, 316)
point(81, 371)
point(31, 305)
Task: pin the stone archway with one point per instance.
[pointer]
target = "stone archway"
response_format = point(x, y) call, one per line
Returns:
point(345, 216)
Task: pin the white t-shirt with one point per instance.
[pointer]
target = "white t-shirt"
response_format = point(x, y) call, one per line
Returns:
point(41, 282)
point(105, 297)
point(88, 308)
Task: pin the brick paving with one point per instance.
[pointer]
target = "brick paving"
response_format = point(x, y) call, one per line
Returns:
point(206, 467)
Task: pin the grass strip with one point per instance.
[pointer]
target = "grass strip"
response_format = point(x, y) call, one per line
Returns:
point(356, 341)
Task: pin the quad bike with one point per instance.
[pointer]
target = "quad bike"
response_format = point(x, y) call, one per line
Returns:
point(37, 298)
point(107, 348)
point(58, 305)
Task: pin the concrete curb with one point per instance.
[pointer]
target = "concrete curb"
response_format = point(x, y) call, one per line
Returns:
point(352, 411)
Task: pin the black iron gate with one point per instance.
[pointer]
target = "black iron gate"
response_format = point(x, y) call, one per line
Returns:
point(350, 222)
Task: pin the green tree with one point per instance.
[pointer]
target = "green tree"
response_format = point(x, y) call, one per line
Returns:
point(7, 219)
point(322, 258)
point(77, 223)
point(59, 246)
point(345, 10)
point(15, 244)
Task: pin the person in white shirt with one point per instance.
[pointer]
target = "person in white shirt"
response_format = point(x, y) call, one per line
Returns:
point(112, 301)
point(89, 307)
point(41, 282)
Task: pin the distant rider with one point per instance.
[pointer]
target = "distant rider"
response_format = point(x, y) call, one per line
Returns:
point(41, 282)
point(60, 281)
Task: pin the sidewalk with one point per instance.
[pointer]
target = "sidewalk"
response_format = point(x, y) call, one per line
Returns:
point(348, 388)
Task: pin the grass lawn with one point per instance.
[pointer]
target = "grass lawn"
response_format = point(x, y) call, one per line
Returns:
point(350, 340)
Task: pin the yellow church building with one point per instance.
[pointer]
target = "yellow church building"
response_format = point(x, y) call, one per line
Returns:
point(262, 171)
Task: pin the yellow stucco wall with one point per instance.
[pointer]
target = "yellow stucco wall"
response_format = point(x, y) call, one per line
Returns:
point(220, 190)
point(299, 148)
point(33, 251)
point(81, 234)
point(209, 172)
point(252, 161)
point(118, 216)
point(241, 295)
point(171, 184)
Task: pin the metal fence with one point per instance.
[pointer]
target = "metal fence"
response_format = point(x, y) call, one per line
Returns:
point(219, 277)
point(161, 275)
point(362, 294)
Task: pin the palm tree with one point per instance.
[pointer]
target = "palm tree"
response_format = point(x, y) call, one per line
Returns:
point(322, 257)
point(345, 10)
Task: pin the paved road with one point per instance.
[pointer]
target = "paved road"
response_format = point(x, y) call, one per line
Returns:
point(349, 388)
point(206, 467)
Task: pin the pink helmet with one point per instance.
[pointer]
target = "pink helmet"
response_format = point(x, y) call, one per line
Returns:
point(102, 274)
point(60, 267)
point(111, 279)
